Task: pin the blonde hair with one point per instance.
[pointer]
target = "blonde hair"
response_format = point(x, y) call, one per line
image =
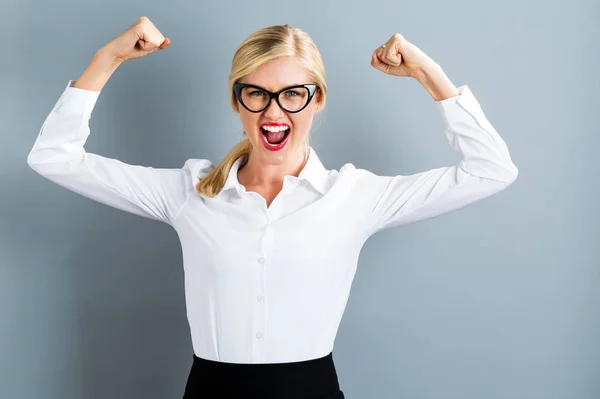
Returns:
point(260, 47)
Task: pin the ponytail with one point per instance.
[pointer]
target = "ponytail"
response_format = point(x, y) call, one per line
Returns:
point(211, 184)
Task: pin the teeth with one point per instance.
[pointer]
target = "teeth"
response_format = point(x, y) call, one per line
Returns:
point(275, 128)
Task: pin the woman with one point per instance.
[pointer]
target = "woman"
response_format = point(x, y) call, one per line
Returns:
point(271, 238)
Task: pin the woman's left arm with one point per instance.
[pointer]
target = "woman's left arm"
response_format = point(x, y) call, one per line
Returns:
point(486, 166)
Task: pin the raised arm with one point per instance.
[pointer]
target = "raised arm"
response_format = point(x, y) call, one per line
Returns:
point(485, 168)
point(58, 153)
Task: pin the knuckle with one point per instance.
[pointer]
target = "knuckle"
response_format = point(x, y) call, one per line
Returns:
point(140, 23)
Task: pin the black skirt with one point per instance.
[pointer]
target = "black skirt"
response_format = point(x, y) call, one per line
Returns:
point(308, 379)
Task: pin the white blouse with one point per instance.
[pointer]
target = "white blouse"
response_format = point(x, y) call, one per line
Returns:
point(270, 284)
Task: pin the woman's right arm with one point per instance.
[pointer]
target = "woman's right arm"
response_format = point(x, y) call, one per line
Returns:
point(58, 153)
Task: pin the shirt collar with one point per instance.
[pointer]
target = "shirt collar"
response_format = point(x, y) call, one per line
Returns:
point(314, 172)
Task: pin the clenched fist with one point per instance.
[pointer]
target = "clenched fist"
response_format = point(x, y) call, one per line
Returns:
point(141, 39)
point(399, 57)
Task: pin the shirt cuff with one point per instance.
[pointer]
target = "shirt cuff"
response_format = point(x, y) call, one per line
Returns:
point(76, 100)
point(453, 109)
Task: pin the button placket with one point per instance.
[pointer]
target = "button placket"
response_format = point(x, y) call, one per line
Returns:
point(260, 309)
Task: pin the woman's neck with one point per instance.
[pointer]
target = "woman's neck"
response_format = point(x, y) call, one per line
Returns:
point(256, 173)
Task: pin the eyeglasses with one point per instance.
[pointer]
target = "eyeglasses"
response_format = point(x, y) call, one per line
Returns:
point(291, 99)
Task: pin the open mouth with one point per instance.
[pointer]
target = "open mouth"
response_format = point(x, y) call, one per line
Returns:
point(275, 136)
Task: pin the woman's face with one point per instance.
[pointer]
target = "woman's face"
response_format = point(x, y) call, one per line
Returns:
point(274, 76)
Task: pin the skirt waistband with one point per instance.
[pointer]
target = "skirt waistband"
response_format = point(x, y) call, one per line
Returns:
point(303, 379)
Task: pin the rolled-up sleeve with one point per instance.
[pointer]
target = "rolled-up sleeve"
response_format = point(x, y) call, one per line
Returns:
point(485, 168)
point(58, 154)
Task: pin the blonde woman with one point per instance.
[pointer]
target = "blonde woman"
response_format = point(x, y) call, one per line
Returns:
point(270, 237)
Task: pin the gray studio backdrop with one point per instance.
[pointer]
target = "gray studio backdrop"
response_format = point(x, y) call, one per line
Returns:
point(498, 300)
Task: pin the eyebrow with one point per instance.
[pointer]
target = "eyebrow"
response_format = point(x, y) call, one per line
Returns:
point(283, 87)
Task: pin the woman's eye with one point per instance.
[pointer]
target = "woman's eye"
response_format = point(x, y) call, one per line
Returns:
point(295, 93)
point(256, 92)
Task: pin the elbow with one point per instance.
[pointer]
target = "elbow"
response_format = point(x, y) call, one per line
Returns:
point(39, 156)
point(502, 177)
point(506, 172)
point(513, 173)
point(31, 160)
point(36, 160)
point(506, 177)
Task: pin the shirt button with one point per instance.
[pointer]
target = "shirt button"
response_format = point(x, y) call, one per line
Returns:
point(259, 298)
point(261, 260)
point(259, 335)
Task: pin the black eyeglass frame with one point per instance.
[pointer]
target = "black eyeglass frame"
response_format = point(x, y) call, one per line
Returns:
point(237, 88)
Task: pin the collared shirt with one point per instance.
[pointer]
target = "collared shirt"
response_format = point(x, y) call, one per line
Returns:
point(270, 284)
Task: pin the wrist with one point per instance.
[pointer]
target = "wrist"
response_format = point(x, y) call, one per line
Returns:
point(433, 78)
point(97, 73)
point(426, 73)
point(106, 56)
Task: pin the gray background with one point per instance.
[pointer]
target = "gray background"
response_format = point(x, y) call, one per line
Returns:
point(498, 300)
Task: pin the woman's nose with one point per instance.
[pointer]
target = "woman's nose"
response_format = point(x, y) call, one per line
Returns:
point(273, 110)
